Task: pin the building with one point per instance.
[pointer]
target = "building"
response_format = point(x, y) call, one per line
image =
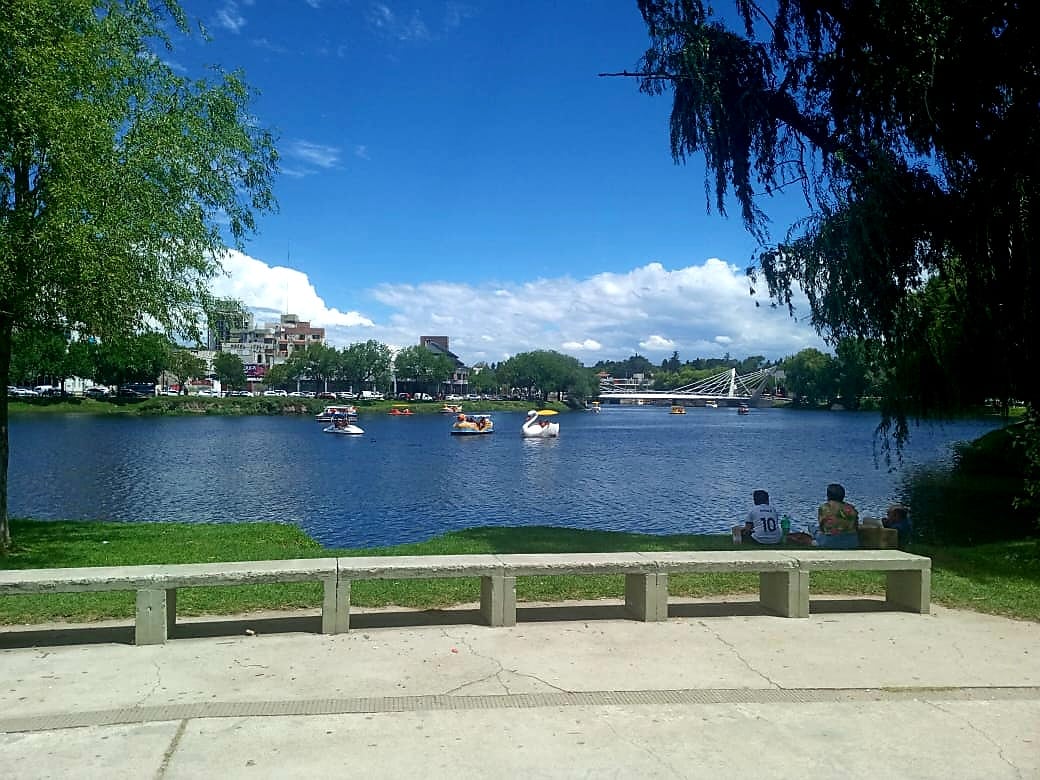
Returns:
point(459, 381)
point(259, 348)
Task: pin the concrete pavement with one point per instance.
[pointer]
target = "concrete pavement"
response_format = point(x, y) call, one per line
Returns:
point(718, 690)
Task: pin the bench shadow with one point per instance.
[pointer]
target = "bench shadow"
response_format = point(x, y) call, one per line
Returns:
point(22, 638)
point(838, 606)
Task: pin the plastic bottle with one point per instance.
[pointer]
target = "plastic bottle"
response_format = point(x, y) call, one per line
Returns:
point(785, 527)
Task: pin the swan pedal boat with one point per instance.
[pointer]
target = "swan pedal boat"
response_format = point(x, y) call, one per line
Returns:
point(451, 409)
point(537, 426)
point(743, 409)
point(473, 425)
point(678, 409)
point(395, 412)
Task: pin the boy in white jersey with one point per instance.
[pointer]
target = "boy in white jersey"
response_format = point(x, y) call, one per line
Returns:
point(762, 525)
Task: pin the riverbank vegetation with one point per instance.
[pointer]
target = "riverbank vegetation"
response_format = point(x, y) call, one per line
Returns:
point(168, 406)
point(1001, 578)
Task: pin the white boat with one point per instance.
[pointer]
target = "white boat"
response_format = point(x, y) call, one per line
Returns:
point(343, 425)
point(711, 404)
point(473, 425)
point(539, 425)
point(328, 414)
point(594, 407)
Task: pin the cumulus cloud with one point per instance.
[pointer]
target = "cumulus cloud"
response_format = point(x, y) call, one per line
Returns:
point(699, 311)
point(270, 289)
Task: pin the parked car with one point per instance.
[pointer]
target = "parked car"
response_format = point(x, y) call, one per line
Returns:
point(240, 394)
point(20, 392)
point(404, 396)
point(422, 397)
point(96, 392)
point(137, 390)
point(370, 395)
point(275, 394)
point(452, 397)
point(328, 396)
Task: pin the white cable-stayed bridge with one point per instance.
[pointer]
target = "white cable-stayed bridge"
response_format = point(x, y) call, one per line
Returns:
point(728, 386)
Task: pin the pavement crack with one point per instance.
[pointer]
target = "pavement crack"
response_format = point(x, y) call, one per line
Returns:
point(155, 686)
point(536, 678)
point(971, 725)
point(168, 755)
point(736, 652)
point(496, 675)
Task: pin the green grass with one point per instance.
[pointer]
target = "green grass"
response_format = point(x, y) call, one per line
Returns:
point(1000, 578)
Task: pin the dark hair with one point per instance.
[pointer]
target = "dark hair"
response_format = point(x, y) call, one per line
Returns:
point(898, 512)
point(760, 497)
point(835, 492)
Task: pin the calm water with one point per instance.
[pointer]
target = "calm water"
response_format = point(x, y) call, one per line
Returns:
point(626, 469)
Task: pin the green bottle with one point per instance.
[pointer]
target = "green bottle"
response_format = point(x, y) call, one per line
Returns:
point(785, 527)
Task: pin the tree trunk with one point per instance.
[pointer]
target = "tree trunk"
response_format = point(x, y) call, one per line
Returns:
point(5, 373)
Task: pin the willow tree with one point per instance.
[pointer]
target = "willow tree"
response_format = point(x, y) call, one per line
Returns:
point(909, 128)
point(119, 178)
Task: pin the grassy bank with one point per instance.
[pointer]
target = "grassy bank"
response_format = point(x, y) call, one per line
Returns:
point(1000, 578)
point(164, 406)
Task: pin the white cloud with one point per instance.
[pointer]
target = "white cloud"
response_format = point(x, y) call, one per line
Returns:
point(655, 343)
point(310, 153)
point(277, 289)
point(412, 28)
point(361, 151)
point(230, 17)
point(590, 345)
point(699, 311)
point(313, 3)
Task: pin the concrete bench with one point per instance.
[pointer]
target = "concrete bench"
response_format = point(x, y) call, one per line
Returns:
point(646, 576)
point(487, 567)
point(908, 583)
point(157, 585)
point(783, 579)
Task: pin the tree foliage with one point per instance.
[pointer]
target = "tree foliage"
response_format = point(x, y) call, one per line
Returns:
point(911, 130)
point(546, 371)
point(119, 178)
point(423, 366)
point(230, 370)
point(184, 365)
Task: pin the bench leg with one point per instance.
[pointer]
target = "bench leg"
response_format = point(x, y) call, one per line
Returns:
point(171, 610)
point(646, 596)
point(910, 590)
point(785, 592)
point(153, 618)
point(335, 607)
point(498, 600)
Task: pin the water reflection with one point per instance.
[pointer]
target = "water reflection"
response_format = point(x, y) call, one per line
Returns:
point(634, 469)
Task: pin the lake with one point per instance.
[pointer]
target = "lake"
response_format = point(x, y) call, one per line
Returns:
point(626, 469)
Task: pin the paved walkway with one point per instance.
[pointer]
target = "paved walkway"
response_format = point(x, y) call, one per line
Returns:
point(720, 690)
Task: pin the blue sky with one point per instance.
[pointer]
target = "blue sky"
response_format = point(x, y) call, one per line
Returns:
point(459, 168)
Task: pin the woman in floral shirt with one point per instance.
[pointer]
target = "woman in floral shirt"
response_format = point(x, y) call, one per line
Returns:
point(839, 521)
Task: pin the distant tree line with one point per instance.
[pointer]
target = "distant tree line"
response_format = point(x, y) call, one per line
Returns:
point(810, 377)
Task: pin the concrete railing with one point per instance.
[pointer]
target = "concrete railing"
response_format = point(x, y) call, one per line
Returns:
point(783, 579)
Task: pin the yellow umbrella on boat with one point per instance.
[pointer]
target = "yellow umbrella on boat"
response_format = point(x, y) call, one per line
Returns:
point(547, 411)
